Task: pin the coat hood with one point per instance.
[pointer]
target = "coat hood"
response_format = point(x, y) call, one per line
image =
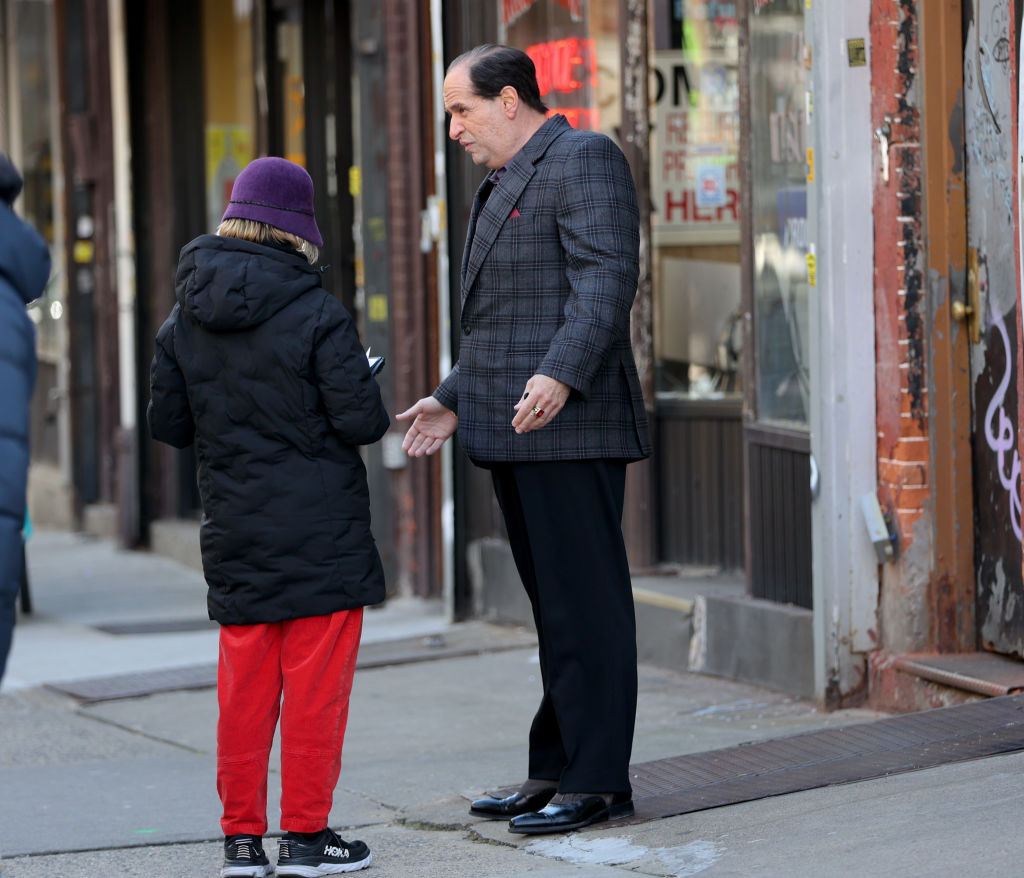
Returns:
point(10, 181)
point(24, 256)
point(226, 284)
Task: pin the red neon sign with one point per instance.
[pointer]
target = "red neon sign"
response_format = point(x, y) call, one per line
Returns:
point(564, 66)
point(513, 9)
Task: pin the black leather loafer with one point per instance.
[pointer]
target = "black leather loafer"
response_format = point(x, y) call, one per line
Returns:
point(511, 806)
point(575, 815)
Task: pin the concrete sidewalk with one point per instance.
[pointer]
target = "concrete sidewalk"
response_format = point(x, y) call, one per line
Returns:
point(126, 787)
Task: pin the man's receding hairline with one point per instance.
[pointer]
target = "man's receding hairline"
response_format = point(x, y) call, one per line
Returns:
point(469, 60)
point(472, 56)
point(466, 65)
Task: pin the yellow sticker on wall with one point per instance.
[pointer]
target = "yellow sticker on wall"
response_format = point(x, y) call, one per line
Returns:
point(810, 165)
point(857, 53)
point(83, 252)
point(377, 307)
point(812, 270)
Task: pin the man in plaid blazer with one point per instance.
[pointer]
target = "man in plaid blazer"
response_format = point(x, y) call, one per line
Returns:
point(545, 395)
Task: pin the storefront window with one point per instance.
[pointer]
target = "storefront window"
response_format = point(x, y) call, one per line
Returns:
point(230, 99)
point(288, 79)
point(575, 47)
point(31, 140)
point(778, 131)
point(695, 197)
point(30, 134)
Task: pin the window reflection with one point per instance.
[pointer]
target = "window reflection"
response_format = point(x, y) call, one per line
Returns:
point(287, 17)
point(778, 161)
point(574, 44)
point(229, 100)
point(32, 146)
point(695, 198)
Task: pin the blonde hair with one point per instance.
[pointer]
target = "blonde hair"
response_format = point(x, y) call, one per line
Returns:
point(262, 233)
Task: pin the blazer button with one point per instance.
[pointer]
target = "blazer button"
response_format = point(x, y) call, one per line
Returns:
point(466, 330)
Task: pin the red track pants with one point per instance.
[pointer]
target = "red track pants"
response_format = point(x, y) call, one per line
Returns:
point(310, 662)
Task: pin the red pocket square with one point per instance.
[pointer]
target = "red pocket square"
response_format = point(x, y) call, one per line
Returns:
point(514, 214)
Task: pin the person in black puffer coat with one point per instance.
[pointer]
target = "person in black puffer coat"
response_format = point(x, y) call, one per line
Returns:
point(24, 270)
point(263, 370)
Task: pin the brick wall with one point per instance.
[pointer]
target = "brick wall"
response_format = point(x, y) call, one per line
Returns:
point(900, 331)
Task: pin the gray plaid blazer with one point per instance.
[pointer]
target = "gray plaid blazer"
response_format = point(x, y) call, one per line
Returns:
point(549, 274)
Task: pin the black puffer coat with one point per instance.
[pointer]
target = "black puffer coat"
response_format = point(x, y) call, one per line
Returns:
point(24, 269)
point(263, 369)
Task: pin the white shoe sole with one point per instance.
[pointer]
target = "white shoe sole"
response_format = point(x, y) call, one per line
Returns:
point(295, 871)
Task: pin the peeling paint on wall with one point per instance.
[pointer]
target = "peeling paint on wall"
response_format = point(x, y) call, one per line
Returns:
point(910, 217)
point(1002, 608)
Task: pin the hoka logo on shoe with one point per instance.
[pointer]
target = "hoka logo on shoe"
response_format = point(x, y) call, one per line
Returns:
point(332, 851)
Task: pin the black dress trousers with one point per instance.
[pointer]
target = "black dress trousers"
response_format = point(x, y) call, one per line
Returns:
point(564, 523)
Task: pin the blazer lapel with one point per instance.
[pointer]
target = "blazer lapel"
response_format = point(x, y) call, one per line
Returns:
point(487, 217)
point(478, 202)
point(492, 216)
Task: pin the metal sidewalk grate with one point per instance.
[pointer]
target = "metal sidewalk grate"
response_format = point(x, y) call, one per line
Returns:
point(695, 782)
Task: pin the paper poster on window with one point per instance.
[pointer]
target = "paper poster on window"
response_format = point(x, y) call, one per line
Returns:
point(228, 150)
point(711, 188)
point(695, 187)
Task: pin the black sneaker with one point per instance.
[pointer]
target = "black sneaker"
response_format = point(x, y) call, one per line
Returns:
point(324, 855)
point(244, 857)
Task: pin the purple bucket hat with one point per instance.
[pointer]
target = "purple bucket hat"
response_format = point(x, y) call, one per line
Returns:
point(277, 192)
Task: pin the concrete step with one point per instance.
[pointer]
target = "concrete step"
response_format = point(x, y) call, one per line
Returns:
point(687, 618)
point(665, 604)
point(923, 681)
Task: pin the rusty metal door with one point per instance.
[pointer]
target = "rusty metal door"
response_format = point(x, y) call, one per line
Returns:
point(989, 313)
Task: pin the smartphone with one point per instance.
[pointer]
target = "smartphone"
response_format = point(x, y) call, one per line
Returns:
point(375, 363)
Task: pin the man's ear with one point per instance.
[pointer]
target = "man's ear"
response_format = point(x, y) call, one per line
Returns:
point(509, 98)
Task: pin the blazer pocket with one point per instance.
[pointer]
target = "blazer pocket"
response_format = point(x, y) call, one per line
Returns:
point(524, 236)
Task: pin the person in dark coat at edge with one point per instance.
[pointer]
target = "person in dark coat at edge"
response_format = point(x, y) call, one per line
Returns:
point(263, 370)
point(24, 271)
point(546, 395)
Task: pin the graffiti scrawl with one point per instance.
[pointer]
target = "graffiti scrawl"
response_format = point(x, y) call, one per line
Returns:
point(1002, 439)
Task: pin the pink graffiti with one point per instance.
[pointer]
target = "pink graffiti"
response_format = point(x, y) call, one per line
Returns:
point(1004, 439)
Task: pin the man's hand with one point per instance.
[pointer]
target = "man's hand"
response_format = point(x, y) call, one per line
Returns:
point(542, 399)
point(432, 424)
